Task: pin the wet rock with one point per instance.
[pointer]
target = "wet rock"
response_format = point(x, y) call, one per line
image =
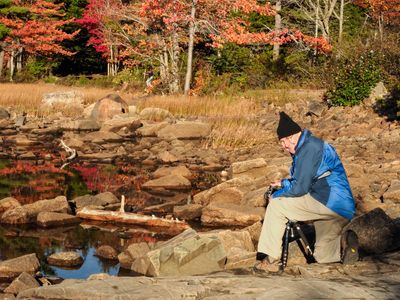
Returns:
point(155, 114)
point(172, 182)
point(188, 212)
point(224, 214)
point(107, 252)
point(65, 259)
point(23, 282)
point(8, 203)
point(376, 231)
point(11, 268)
point(28, 213)
point(52, 219)
point(108, 107)
point(253, 168)
point(185, 130)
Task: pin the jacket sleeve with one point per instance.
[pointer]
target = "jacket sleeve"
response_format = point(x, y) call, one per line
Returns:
point(304, 172)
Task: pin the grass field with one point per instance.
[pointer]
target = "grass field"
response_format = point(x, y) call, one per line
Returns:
point(233, 118)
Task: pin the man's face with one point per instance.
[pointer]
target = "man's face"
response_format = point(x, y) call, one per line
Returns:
point(288, 144)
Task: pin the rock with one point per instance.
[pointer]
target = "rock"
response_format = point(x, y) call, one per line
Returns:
point(171, 182)
point(8, 203)
point(378, 92)
point(81, 125)
point(179, 170)
point(50, 219)
point(167, 157)
point(62, 100)
point(376, 231)
point(114, 125)
point(253, 168)
point(102, 137)
point(28, 213)
point(222, 286)
point(254, 231)
point(155, 114)
point(316, 108)
point(99, 276)
point(185, 130)
point(4, 114)
point(23, 282)
point(7, 297)
point(223, 214)
point(393, 193)
point(188, 212)
point(231, 191)
point(150, 130)
point(11, 268)
point(255, 198)
point(101, 199)
point(187, 253)
point(65, 259)
point(133, 252)
point(106, 251)
point(108, 107)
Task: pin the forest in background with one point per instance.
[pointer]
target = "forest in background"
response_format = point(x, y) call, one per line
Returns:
point(205, 46)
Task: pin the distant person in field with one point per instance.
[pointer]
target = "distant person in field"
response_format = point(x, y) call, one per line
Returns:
point(317, 190)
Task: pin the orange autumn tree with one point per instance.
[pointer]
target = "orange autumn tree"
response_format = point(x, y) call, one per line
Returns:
point(383, 11)
point(156, 32)
point(37, 31)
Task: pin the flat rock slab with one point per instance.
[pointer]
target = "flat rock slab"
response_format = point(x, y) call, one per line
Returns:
point(65, 259)
point(220, 286)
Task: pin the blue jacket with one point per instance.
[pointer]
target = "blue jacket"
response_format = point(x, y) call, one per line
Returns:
point(317, 169)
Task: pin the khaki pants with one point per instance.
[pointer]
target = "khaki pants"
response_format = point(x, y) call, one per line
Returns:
point(328, 226)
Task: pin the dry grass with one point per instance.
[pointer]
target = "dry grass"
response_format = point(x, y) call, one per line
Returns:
point(233, 119)
point(27, 96)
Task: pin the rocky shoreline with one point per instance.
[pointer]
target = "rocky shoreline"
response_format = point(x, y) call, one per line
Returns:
point(111, 131)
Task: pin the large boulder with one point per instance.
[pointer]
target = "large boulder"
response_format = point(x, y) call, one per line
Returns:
point(21, 283)
point(186, 254)
point(65, 259)
point(50, 219)
point(101, 199)
point(376, 231)
point(108, 107)
point(28, 213)
point(62, 100)
point(11, 268)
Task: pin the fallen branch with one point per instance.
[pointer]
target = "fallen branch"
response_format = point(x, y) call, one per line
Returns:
point(132, 218)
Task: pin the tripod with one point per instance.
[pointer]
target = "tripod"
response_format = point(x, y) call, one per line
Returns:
point(290, 229)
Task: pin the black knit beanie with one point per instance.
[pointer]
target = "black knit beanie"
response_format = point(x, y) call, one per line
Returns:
point(287, 126)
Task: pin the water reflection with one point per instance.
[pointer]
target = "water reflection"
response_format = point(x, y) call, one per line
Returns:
point(19, 241)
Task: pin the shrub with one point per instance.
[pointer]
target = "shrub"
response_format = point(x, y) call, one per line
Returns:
point(354, 81)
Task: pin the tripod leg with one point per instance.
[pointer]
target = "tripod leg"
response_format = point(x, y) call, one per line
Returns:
point(303, 237)
point(285, 252)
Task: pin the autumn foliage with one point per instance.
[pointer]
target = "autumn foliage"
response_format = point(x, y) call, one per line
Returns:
point(39, 30)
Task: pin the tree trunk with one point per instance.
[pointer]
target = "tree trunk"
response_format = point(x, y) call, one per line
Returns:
point(278, 27)
point(341, 21)
point(192, 30)
point(168, 225)
point(174, 83)
point(1, 62)
point(316, 23)
point(12, 64)
point(112, 65)
point(19, 59)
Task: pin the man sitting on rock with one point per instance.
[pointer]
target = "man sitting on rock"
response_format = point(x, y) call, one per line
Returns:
point(318, 191)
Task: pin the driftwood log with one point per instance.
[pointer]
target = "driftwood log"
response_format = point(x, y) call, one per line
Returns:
point(132, 218)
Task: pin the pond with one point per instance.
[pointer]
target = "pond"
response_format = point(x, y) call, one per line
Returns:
point(30, 181)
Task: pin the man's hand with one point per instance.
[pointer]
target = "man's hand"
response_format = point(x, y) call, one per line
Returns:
point(276, 184)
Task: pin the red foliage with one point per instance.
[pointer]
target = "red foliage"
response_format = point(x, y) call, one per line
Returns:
point(41, 33)
point(386, 10)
